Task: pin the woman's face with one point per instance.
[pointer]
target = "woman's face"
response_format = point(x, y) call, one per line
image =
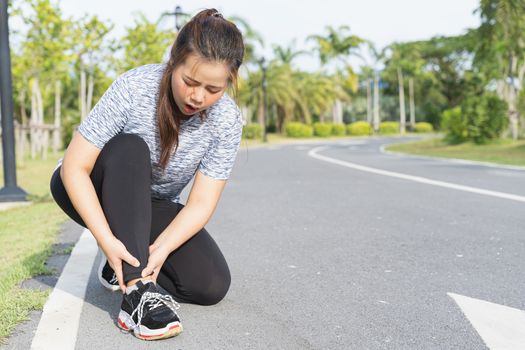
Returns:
point(197, 84)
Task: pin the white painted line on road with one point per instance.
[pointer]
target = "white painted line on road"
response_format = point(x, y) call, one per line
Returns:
point(382, 149)
point(58, 326)
point(314, 153)
point(500, 327)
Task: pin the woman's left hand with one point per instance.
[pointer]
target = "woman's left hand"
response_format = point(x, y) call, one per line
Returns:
point(157, 255)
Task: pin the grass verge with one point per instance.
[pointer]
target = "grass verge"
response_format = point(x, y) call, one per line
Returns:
point(26, 236)
point(502, 151)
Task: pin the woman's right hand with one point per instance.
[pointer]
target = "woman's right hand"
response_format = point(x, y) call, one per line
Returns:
point(116, 252)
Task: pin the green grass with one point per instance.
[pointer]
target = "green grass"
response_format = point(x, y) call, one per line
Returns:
point(26, 237)
point(502, 151)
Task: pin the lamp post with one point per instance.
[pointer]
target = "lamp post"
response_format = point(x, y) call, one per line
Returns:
point(265, 98)
point(179, 17)
point(10, 192)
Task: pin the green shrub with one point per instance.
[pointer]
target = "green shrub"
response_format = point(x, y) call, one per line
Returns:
point(322, 129)
point(338, 129)
point(389, 128)
point(453, 123)
point(308, 131)
point(486, 117)
point(359, 129)
point(252, 131)
point(424, 127)
point(295, 129)
point(479, 119)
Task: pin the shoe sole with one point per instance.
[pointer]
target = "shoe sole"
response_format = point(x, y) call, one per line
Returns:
point(105, 283)
point(126, 323)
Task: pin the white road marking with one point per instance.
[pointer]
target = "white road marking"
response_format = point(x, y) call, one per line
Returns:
point(58, 326)
point(500, 327)
point(314, 153)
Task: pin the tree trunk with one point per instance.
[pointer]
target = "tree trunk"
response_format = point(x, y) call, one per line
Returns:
point(368, 101)
point(40, 103)
point(402, 115)
point(412, 104)
point(288, 116)
point(91, 85)
point(376, 102)
point(337, 112)
point(260, 113)
point(281, 116)
point(56, 131)
point(22, 101)
point(82, 93)
point(246, 114)
point(32, 121)
point(37, 118)
point(513, 111)
point(22, 132)
point(508, 93)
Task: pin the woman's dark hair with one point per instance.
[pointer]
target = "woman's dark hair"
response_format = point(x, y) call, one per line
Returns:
point(212, 38)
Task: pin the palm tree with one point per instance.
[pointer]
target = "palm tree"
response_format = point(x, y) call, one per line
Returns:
point(318, 93)
point(371, 71)
point(404, 59)
point(502, 34)
point(252, 39)
point(338, 46)
point(287, 54)
point(281, 91)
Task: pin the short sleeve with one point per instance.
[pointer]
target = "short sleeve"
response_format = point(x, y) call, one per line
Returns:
point(110, 114)
point(219, 159)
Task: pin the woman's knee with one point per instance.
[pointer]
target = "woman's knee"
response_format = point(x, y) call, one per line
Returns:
point(125, 149)
point(215, 292)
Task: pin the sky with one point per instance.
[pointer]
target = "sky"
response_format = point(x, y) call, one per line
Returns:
point(280, 22)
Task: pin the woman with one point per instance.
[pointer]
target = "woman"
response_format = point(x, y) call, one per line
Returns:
point(154, 129)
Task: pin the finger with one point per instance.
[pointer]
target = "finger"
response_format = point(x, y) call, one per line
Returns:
point(120, 277)
point(155, 275)
point(153, 247)
point(147, 271)
point(130, 259)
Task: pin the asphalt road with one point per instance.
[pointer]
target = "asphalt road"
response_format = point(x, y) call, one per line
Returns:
point(324, 256)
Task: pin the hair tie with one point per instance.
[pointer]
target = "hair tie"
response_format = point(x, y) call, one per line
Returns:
point(217, 14)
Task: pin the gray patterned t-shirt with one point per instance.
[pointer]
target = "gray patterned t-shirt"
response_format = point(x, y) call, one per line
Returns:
point(130, 106)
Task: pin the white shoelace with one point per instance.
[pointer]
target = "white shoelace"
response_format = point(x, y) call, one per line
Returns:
point(155, 299)
point(113, 280)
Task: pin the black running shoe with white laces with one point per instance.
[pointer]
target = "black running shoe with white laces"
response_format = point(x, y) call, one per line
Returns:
point(149, 314)
point(107, 276)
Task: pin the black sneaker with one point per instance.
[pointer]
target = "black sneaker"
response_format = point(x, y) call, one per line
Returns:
point(107, 276)
point(149, 314)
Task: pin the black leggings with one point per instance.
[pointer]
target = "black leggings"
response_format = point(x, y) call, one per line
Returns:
point(196, 272)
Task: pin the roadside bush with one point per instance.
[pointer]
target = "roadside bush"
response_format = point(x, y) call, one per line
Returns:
point(453, 123)
point(359, 129)
point(486, 117)
point(252, 131)
point(424, 127)
point(322, 129)
point(389, 128)
point(339, 130)
point(480, 118)
point(295, 129)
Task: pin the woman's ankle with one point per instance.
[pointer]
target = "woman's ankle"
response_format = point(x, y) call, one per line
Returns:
point(135, 280)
